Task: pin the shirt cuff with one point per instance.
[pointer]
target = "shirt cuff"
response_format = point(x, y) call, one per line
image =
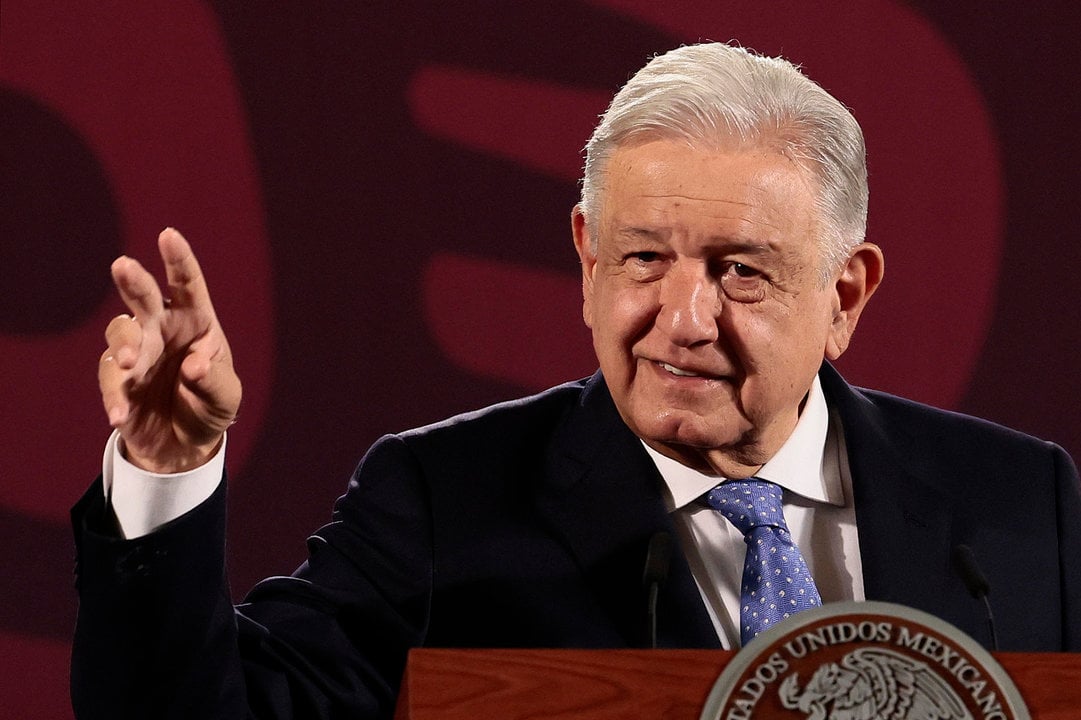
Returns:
point(144, 501)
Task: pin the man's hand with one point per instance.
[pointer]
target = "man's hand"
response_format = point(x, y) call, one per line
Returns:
point(167, 378)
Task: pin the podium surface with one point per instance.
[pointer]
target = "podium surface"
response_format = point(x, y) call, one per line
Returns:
point(452, 684)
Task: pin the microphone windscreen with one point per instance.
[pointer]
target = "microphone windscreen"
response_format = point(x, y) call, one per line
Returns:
point(658, 557)
point(964, 562)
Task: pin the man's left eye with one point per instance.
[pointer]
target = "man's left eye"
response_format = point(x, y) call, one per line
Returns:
point(744, 283)
point(744, 270)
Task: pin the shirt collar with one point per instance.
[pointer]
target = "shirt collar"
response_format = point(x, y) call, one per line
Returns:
point(800, 466)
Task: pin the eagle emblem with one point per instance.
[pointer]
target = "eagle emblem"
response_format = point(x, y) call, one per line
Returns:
point(874, 684)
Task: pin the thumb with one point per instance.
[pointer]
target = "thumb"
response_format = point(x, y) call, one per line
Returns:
point(210, 380)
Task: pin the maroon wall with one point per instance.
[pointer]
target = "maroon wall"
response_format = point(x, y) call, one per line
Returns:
point(381, 200)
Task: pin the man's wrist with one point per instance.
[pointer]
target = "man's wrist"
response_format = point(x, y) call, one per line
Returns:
point(143, 500)
point(192, 459)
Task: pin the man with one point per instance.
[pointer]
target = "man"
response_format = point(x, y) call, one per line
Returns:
point(723, 262)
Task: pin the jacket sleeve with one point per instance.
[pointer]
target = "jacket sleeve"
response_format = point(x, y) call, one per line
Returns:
point(158, 637)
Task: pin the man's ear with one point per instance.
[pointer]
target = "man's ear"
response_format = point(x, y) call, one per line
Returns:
point(855, 285)
point(583, 243)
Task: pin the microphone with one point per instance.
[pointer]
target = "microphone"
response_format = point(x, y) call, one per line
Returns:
point(658, 557)
point(964, 562)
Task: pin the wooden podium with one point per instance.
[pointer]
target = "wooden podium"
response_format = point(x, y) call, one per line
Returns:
point(670, 684)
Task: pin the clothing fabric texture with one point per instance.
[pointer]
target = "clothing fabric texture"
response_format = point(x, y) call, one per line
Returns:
point(526, 525)
point(776, 583)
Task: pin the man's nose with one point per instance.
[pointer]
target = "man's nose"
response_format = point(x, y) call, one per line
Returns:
point(690, 306)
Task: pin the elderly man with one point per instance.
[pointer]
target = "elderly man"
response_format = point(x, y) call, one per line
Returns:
point(720, 234)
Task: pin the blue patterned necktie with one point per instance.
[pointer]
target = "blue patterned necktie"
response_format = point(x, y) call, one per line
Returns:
point(776, 581)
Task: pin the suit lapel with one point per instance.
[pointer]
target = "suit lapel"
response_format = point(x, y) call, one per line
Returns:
point(902, 515)
point(602, 496)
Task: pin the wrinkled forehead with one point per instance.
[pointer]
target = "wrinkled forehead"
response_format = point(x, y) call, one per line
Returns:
point(700, 163)
point(719, 143)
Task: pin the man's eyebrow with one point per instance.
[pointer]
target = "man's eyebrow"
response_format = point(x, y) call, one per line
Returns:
point(731, 244)
point(716, 243)
point(631, 232)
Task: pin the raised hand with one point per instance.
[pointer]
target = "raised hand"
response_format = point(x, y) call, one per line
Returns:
point(167, 379)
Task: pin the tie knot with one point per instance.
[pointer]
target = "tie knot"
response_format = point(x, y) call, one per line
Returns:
point(748, 503)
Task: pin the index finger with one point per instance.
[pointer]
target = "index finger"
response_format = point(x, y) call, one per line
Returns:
point(137, 289)
point(187, 285)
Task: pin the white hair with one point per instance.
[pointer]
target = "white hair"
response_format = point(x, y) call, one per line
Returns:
point(716, 94)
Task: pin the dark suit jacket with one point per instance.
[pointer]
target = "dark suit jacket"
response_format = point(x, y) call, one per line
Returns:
point(526, 525)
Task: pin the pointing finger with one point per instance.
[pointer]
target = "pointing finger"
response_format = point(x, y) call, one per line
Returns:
point(137, 288)
point(186, 282)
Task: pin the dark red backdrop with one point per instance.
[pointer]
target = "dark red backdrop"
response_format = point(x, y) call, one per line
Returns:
point(380, 197)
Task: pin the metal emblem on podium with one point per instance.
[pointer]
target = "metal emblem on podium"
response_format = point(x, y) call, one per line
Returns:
point(863, 661)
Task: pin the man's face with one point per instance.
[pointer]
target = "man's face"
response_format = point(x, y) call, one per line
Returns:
point(710, 317)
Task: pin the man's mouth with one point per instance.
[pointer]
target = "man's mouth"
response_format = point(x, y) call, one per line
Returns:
point(678, 371)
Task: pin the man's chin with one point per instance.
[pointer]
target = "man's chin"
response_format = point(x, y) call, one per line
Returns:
point(729, 461)
point(698, 435)
point(692, 439)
